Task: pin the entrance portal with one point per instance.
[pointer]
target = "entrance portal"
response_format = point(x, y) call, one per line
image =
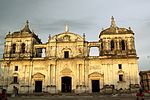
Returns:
point(66, 84)
point(95, 86)
point(38, 86)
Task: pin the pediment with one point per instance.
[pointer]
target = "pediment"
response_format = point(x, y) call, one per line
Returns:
point(66, 70)
point(38, 75)
point(120, 72)
point(66, 37)
point(95, 74)
point(15, 74)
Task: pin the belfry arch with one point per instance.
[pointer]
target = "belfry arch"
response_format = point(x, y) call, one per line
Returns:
point(112, 45)
point(94, 49)
point(123, 45)
point(38, 79)
point(96, 81)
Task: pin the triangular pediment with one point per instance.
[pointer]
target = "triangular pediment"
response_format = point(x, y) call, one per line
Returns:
point(66, 70)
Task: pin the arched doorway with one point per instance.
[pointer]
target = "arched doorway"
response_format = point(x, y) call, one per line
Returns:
point(66, 84)
point(38, 80)
point(96, 81)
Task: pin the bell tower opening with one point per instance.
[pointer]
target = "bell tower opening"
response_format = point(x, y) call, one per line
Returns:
point(23, 48)
point(94, 51)
point(123, 45)
point(112, 45)
point(13, 48)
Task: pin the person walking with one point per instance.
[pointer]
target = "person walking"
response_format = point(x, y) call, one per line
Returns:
point(3, 95)
point(140, 95)
point(15, 91)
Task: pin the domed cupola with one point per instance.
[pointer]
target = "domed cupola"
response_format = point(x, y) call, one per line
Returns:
point(113, 29)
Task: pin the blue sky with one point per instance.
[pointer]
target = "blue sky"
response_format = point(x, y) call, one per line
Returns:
point(83, 16)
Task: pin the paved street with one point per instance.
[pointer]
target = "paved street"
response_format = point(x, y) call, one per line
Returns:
point(63, 97)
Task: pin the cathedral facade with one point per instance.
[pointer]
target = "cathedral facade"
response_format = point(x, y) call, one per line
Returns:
point(63, 63)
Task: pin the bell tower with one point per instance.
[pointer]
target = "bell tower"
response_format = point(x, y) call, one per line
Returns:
point(115, 41)
point(20, 44)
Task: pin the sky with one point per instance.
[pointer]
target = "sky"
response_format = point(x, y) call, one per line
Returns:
point(82, 16)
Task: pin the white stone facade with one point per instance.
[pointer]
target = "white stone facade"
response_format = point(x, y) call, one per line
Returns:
point(65, 65)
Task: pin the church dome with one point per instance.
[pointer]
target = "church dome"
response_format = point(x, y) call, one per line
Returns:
point(113, 29)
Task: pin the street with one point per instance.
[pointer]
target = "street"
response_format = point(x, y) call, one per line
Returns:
point(63, 97)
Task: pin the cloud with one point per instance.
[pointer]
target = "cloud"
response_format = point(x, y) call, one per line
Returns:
point(58, 24)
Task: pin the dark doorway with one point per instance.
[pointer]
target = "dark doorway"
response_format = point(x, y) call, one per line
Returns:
point(66, 84)
point(95, 86)
point(38, 86)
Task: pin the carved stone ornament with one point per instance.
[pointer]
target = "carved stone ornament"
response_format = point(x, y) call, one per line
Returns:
point(66, 38)
point(38, 75)
point(95, 74)
point(66, 71)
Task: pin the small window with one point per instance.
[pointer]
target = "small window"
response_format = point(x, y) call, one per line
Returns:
point(66, 54)
point(120, 66)
point(120, 77)
point(16, 68)
point(15, 79)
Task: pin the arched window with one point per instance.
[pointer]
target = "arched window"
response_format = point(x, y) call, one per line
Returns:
point(112, 45)
point(102, 45)
point(22, 48)
point(13, 48)
point(123, 45)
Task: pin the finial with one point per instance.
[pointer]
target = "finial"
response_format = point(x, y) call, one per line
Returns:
point(113, 24)
point(8, 33)
point(26, 27)
point(66, 28)
point(83, 35)
point(116, 30)
point(49, 36)
point(129, 28)
point(27, 22)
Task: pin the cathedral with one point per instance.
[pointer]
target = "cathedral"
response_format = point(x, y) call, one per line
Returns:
point(63, 63)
